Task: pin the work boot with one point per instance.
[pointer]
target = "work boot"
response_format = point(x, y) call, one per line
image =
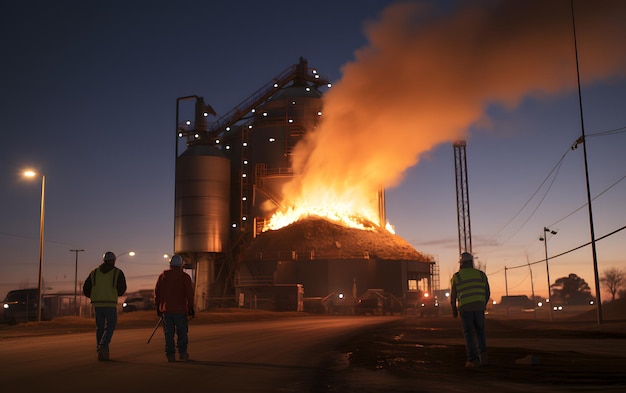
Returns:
point(171, 357)
point(184, 356)
point(472, 364)
point(484, 359)
point(103, 353)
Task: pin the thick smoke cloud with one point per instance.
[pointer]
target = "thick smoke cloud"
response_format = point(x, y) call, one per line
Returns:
point(428, 75)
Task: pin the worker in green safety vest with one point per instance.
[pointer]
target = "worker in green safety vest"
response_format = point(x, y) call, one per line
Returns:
point(470, 287)
point(103, 286)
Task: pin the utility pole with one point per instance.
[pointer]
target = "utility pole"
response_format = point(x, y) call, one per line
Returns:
point(584, 142)
point(506, 286)
point(544, 239)
point(532, 287)
point(76, 280)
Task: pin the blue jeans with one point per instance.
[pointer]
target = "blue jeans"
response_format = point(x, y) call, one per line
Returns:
point(106, 320)
point(175, 324)
point(473, 323)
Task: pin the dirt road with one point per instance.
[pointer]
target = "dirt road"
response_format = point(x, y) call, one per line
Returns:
point(428, 355)
point(424, 355)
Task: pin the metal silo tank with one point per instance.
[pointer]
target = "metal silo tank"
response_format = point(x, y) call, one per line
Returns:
point(201, 218)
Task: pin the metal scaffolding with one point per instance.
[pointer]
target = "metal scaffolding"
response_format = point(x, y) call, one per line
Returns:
point(462, 198)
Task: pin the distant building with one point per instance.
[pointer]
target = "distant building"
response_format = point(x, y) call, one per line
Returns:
point(519, 301)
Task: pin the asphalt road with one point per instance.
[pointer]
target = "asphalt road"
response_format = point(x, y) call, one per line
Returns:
point(256, 356)
point(319, 354)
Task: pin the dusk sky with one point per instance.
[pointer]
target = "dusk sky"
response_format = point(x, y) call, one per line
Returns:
point(88, 98)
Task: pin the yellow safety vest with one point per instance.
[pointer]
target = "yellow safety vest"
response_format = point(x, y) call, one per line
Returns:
point(470, 286)
point(104, 287)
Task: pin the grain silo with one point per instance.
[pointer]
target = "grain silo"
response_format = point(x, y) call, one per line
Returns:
point(310, 259)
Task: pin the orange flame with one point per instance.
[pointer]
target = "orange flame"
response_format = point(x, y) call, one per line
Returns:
point(425, 79)
point(347, 211)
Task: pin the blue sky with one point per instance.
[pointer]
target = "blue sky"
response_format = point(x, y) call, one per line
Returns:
point(88, 98)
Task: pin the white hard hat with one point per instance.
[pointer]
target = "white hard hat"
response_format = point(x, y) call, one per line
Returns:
point(176, 260)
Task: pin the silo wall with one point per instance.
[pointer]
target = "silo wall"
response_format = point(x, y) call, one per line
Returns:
point(201, 218)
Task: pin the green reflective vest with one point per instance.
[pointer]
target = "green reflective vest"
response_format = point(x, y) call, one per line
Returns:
point(471, 286)
point(104, 287)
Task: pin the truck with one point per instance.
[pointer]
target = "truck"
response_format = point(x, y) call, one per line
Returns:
point(20, 305)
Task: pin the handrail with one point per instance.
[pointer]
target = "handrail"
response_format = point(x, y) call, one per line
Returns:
point(261, 95)
point(258, 96)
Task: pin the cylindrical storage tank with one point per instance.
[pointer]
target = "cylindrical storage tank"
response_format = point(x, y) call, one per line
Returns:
point(201, 212)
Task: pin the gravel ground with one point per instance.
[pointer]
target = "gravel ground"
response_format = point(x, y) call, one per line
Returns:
point(428, 355)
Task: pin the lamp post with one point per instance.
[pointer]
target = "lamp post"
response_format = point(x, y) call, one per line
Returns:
point(129, 253)
point(30, 173)
point(76, 280)
point(544, 239)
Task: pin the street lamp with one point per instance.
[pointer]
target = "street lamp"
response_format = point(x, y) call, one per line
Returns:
point(129, 253)
point(544, 239)
point(76, 280)
point(30, 173)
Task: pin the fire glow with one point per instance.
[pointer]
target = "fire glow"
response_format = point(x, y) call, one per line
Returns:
point(425, 79)
point(336, 210)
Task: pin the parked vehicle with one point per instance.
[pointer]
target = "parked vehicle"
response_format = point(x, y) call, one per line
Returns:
point(369, 305)
point(21, 305)
point(378, 302)
point(429, 306)
point(137, 301)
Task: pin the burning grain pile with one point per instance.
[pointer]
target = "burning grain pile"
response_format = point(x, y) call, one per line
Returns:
point(318, 238)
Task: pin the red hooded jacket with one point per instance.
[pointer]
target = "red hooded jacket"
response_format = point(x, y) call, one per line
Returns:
point(173, 293)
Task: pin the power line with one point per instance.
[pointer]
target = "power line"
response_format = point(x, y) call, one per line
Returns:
point(2, 233)
point(584, 205)
point(556, 168)
point(569, 251)
point(609, 132)
point(521, 282)
point(68, 282)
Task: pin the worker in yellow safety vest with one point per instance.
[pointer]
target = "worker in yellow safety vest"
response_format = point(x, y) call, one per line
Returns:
point(103, 286)
point(471, 288)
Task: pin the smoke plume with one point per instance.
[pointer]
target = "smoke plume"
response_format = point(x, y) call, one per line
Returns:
point(427, 75)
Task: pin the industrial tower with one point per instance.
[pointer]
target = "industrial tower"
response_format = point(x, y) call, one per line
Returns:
point(462, 198)
point(230, 178)
point(226, 172)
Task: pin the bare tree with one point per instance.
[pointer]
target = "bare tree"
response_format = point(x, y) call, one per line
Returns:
point(613, 279)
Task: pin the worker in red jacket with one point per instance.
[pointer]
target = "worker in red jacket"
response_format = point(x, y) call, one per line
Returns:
point(174, 300)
